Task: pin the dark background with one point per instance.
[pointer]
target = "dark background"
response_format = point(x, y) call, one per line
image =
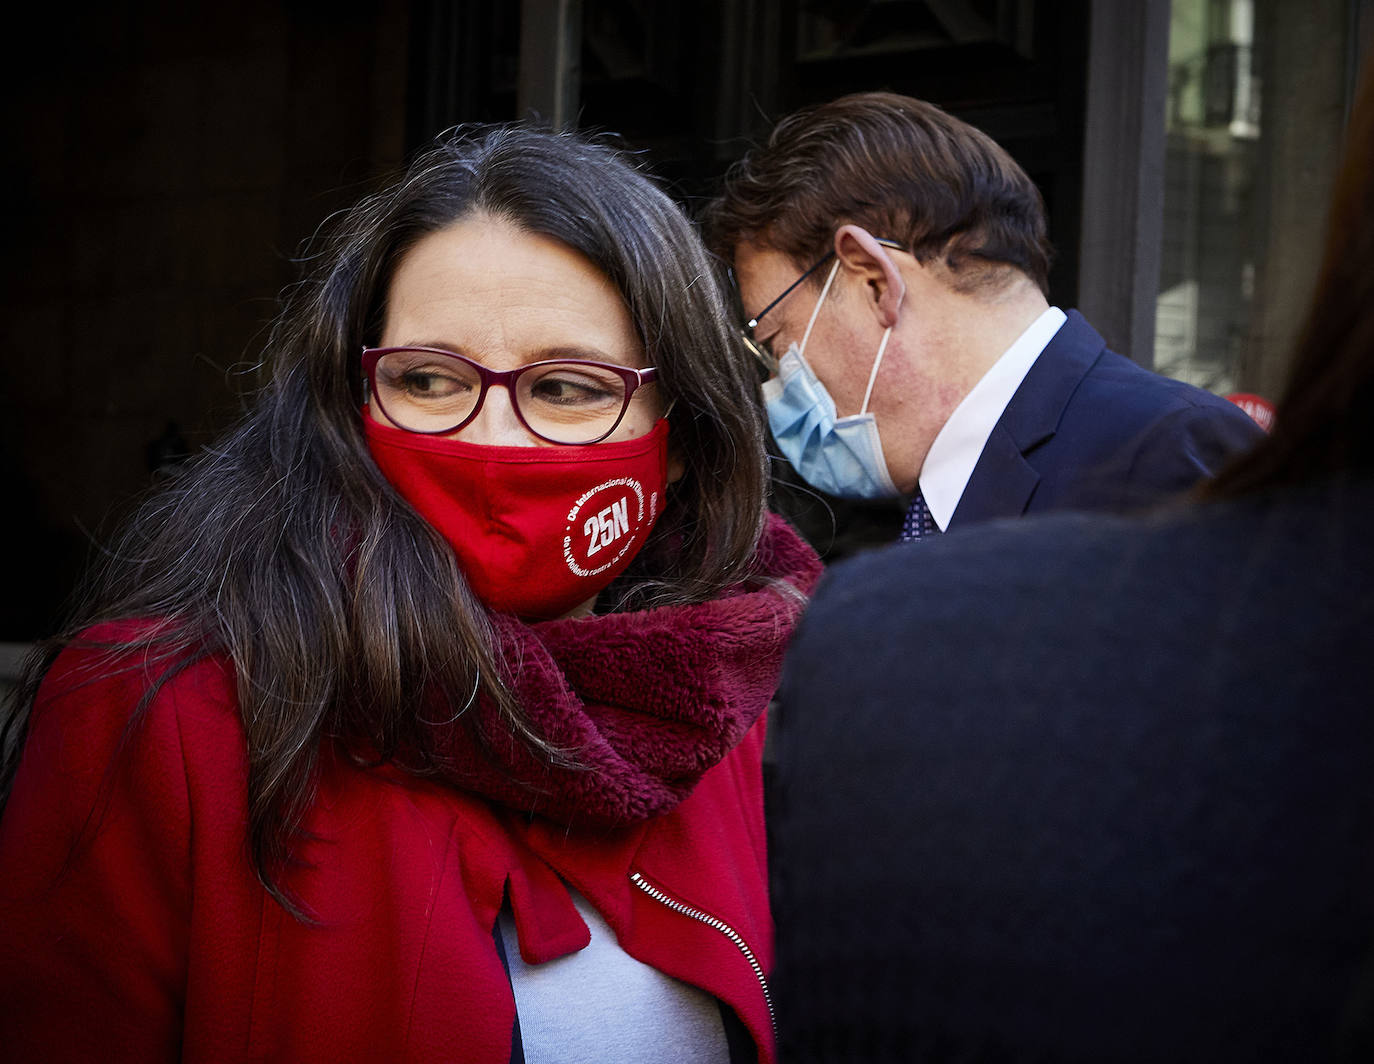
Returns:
point(169, 165)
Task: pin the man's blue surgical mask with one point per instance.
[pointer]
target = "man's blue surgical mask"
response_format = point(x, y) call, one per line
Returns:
point(839, 456)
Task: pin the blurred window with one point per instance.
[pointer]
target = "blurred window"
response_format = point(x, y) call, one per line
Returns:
point(1257, 96)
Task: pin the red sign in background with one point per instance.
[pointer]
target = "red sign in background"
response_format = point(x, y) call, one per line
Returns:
point(1258, 407)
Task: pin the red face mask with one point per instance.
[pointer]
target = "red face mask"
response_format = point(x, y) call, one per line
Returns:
point(537, 530)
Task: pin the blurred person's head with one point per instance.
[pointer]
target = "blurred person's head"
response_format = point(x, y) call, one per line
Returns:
point(1324, 423)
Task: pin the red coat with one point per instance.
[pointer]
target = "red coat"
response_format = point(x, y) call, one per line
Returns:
point(141, 933)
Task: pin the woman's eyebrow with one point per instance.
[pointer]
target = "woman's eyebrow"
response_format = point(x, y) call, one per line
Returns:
point(589, 354)
point(551, 353)
point(438, 345)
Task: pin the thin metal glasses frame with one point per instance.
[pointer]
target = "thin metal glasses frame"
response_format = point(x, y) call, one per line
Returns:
point(747, 330)
point(508, 378)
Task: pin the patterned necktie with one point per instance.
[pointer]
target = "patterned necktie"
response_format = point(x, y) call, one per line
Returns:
point(919, 524)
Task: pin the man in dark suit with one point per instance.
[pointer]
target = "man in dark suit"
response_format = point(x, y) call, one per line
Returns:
point(1092, 788)
point(892, 262)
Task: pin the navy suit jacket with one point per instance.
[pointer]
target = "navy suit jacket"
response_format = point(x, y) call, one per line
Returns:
point(1091, 430)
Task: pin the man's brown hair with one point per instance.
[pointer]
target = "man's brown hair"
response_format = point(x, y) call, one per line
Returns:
point(901, 168)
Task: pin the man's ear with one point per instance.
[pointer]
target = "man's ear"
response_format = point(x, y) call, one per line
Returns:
point(860, 253)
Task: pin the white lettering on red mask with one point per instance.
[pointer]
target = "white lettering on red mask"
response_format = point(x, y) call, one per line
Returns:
point(537, 530)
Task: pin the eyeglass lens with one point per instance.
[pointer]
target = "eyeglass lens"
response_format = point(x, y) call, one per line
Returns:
point(564, 402)
point(767, 362)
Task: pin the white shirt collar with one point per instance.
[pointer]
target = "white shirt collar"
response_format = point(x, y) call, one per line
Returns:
point(960, 442)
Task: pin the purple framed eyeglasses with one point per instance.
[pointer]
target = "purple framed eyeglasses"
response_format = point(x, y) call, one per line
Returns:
point(435, 392)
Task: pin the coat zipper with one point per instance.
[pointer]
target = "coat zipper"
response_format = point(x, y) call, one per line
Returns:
point(720, 925)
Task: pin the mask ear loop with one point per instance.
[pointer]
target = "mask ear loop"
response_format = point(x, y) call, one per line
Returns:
point(878, 361)
point(476, 683)
point(825, 289)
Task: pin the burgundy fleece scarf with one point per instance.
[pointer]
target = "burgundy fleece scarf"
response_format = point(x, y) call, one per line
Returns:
point(643, 703)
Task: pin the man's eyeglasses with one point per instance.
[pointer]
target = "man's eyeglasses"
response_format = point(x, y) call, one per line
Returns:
point(760, 351)
point(436, 392)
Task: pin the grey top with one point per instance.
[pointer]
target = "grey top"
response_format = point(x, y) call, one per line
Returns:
point(600, 1005)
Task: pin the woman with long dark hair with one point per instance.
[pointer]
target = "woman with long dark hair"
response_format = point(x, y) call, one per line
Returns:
point(419, 718)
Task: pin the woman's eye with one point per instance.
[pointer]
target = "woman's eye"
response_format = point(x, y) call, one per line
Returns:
point(423, 383)
point(570, 388)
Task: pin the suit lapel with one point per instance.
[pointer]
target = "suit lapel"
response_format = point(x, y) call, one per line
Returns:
point(1001, 485)
point(1004, 479)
